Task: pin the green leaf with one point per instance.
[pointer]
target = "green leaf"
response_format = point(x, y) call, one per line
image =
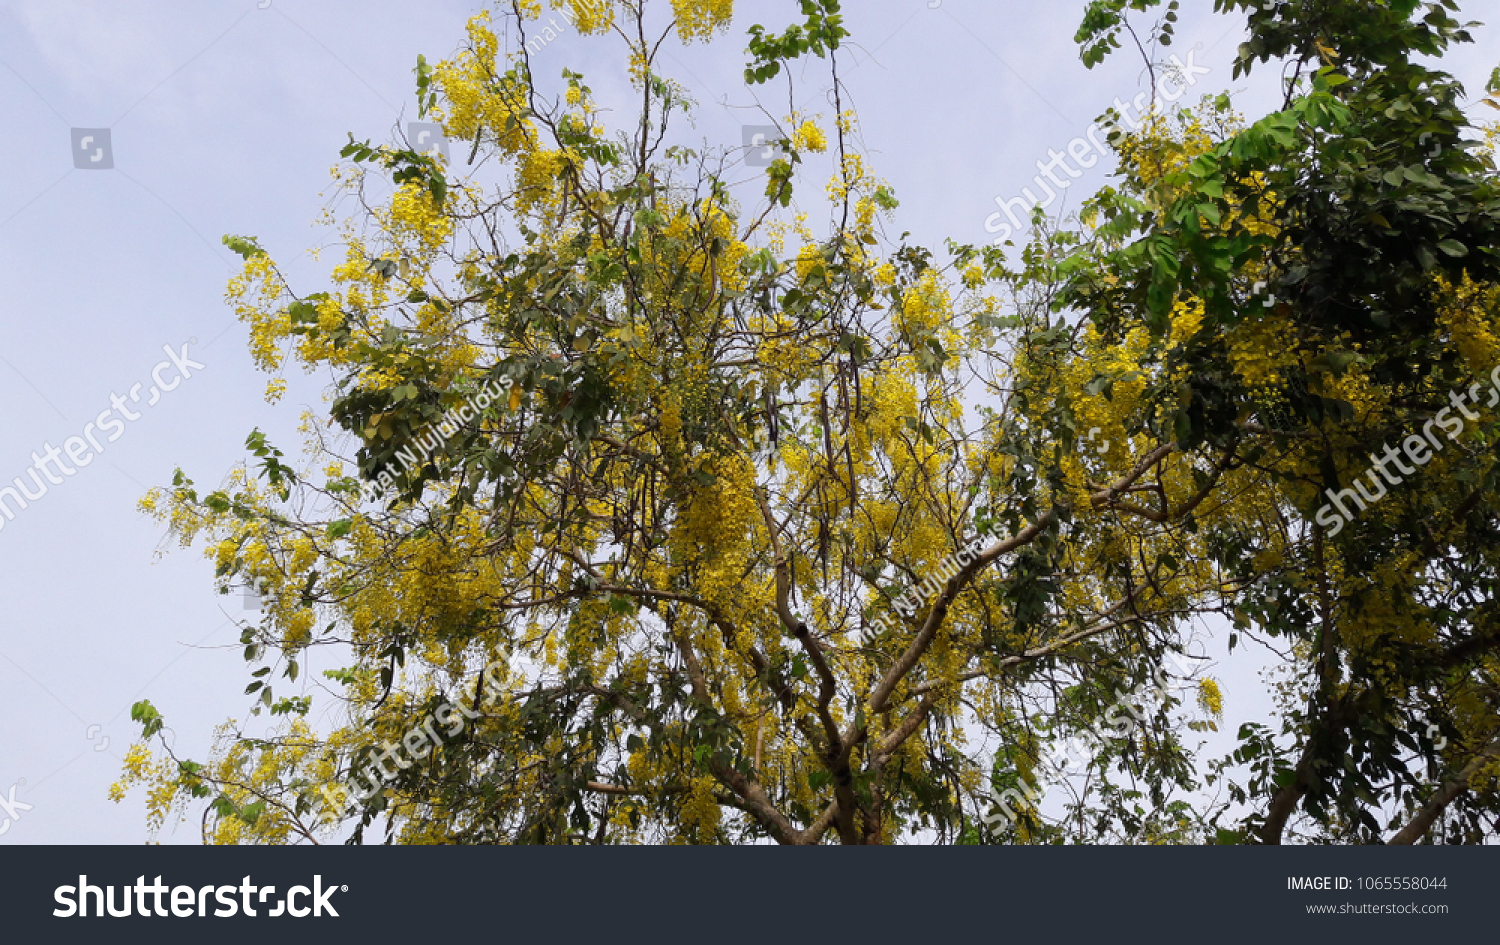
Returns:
point(145, 713)
point(246, 246)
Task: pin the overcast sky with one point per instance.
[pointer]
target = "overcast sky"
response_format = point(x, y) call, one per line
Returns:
point(224, 116)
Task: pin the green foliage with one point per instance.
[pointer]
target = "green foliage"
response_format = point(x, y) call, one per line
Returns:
point(404, 164)
point(1356, 199)
point(426, 94)
point(820, 35)
point(1103, 21)
point(245, 246)
point(280, 476)
point(145, 713)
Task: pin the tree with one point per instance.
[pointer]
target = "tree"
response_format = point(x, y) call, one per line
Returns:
point(658, 528)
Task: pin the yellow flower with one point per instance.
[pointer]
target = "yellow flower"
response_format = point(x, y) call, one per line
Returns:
point(1187, 318)
point(925, 305)
point(808, 259)
point(414, 211)
point(592, 16)
point(1261, 349)
point(1210, 698)
point(809, 137)
point(700, 19)
point(1469, 311)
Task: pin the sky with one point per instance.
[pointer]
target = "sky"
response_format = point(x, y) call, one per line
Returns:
point(138, 132)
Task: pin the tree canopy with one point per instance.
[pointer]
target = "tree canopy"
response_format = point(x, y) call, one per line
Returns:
point(653, 505)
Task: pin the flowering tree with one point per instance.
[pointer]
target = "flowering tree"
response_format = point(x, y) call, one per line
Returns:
point(650, 510)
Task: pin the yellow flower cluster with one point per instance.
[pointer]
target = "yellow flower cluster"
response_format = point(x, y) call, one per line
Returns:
point(716, 525)
point(137, 768)
point(160, 774)
point(1155, 150)
point(1123, 362)
point(719, 223)
point(700, 812)
point(852, 178)
point(1260, 349)
point(256, 294)
point(925, 305)
point(639, 66)
point(415, 212)
point(893, 399)
point(477, 95)
point(683, 246)
point(1355, 387)
point(777, 232)
point(808, 259)
point(700, 19)
point(537, 179)
point(1471, 313)
point(1210, 697)
point(592, 16)
point(809, 137)
point(1187, 318)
